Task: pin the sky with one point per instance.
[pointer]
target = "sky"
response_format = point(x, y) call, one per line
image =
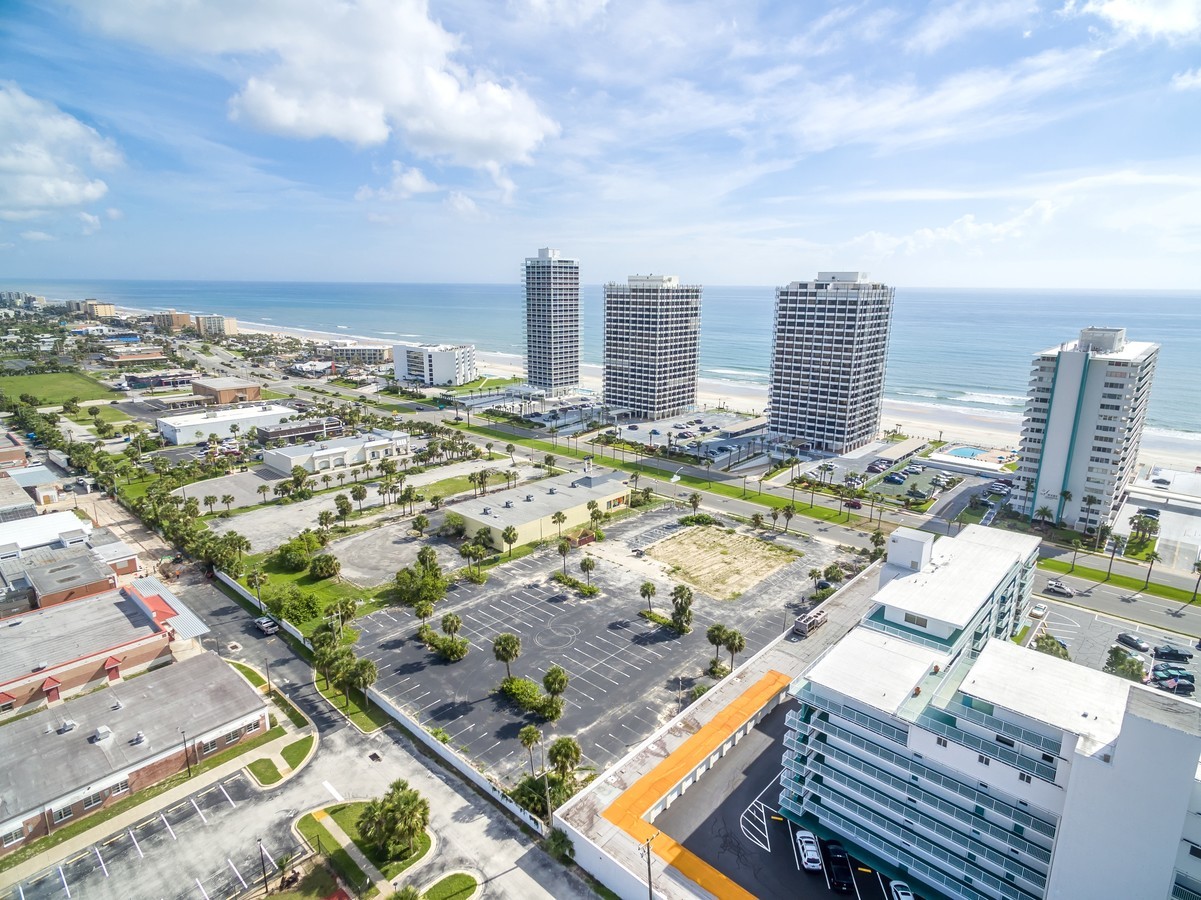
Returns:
point(964, 143)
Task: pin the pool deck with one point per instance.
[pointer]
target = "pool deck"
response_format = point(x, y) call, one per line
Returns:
point(990, 460)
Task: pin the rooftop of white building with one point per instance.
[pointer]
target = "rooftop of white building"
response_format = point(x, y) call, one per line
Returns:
point(1058, 692)
point(38, 531)
point(335, 445)
point(875, 668)
point(226, 415)
point(960, 576)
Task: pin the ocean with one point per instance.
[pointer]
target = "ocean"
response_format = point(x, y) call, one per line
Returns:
point(959, 348)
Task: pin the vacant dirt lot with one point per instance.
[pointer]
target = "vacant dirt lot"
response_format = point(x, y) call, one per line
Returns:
point(719, 564)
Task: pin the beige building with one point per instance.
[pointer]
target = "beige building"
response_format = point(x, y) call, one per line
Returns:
point(100, 310)
point(351, 354)
point(529, 507)
point(216, 326)
point(227, 390)
point(171, 321)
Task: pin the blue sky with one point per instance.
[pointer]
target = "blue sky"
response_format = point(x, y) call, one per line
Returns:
point(975, 143)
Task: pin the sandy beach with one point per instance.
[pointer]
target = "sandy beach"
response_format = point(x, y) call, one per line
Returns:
point(977, 427)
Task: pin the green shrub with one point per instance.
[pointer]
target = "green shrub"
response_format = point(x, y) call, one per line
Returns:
point(293, 559)
point(717, 669)
point(523, 693)
point(551, 708)
point(699, 691)
point(440, 735)
point(326, 565)
point(699, 519)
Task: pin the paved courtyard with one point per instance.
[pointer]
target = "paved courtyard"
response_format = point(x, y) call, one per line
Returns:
point(627, 675)
point(373, 557)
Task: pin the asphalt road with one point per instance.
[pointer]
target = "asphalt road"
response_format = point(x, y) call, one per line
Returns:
point(1123, 603)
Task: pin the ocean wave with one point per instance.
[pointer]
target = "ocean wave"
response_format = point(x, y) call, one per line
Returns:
point(952, 395)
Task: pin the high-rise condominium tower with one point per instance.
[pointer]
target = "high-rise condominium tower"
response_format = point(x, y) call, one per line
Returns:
point(829, 351)
point(652, 338)
point(1083, 425)
point(552, 322)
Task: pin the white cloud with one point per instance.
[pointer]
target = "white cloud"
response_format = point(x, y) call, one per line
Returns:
point(358, 71)
point(1169, 19)
point(571, 13)
point(46, 157)
point(966, 232)
point(112, 213)
point(406, 182)
point(1189, 80)
point(461, 204)
point(37, 236)
point(91, 223)
point(950, 22)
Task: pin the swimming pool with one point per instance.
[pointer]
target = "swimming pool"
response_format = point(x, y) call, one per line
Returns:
point(966, 452)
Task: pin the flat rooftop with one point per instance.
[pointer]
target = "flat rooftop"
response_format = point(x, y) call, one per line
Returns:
point(75, 571)
point(13, 494)
point(224, 384)
point(58, 634)
point(331, 445)
point(962, 573)
point(43, 763)
point(227, 415)
point(1060, 693)
point(876, 669)
point(38, 531)
point(546, 497)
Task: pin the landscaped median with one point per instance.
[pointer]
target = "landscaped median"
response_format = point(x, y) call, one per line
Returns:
point(455, 886)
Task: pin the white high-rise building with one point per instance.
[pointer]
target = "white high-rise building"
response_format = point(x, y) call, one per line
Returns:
point(937, 748)
point(652, 345)
point(552, 322)
point(829, 352)
point(435, 363)
point(1083, 426)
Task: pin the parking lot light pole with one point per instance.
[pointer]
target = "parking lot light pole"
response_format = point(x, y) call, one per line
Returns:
point(186, 758)
point(263, 865)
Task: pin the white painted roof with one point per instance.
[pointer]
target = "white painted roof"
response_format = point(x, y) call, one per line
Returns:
point(38, 531)
point(226, 415)
point(875, 668)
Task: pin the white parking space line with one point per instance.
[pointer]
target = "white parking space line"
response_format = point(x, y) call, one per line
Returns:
point(100, 859)
point(202, 818)
point(169, 828)
point(136, 846)
point(792, 841)
point(64, 880)
point(270, 855)
point(236, 872)
point(227, 797)
point(202, 890)
point(333, 791)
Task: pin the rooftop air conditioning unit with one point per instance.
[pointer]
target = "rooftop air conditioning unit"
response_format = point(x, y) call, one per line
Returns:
point(552, 490)
point(103, 733)
point(529, 498)
point(139, 738)
point(508, 504)
point(487, 510)
point(68, 725)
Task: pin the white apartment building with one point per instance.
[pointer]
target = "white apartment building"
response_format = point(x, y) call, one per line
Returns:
point(829, 353)
point(552, 322)
point(215, 326)
point(1083, 426)
point(349, 353)
point(652, 346)
point(338, 453)
point(436, 363)
point(937, 747)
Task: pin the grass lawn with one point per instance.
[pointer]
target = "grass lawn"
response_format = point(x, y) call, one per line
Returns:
point(347, 817)
point(484, 383)
point(54, 388)
point(368, 719)
point(295, 753)
point(106, 414)
point(316, 885)
point(1183, 595)
point(326, 590)
point(1021, 636)
point(1140, 549)
point(457, 886)
point(251, 675)
point(265, 771)
point(447, 487)
point(82, 825)
point(322, 842)
point(273, 395)
point(294, 715)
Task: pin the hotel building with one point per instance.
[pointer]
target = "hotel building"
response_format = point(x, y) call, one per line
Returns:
point(1083, 426)
point(215, 326)
point(829, 352)
point(652, 343)
point(436, 364)
point(939, 749)
point(552, 322)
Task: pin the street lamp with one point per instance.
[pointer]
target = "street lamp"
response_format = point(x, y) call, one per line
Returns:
point(263, 865)
point(186, 758)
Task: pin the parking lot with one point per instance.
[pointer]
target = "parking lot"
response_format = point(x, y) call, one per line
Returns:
point(730, 819)
point(627, 675)
point(173, 853)
point(687, 433)
point(373, 557)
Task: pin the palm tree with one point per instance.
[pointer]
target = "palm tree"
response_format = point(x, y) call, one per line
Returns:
point(559, 518)
point(325, 519)
point(506, 648)
point(716, 635)
point(451, 624)
point(1044, 514)
point(735, 643)
point(363, 675)
point(587, 566)
point(549, 460)
point(263, 490)
point(511, 449)
point(694, 500)
point(228, 500)
point(412, 813)
point(816, 575)
point(1197, 569)
point(647, 591)
point(775, 517)
point(358, 493)
point(345, 609)
point(564, 755)
point(1152, 558)
point(1065, 496)
point(209, 500)
point(423, 609)
point(789, 512)
point(1090, 501)
point(879, 540)
point(422, 522)
point(1077, 546)
point(757, 520)
point(1117, 545)
point(564, 549)
point(509, 536)
point(529, 736)
point(554, 682)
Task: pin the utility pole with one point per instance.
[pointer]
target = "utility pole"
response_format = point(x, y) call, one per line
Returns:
point(263, 865)
point(646, 849)
point(186, 758)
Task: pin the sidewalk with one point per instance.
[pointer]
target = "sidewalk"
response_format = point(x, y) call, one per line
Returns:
point(382, 884)
point(140, 811)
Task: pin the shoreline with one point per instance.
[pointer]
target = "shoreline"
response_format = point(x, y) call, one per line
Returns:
point(989, 428)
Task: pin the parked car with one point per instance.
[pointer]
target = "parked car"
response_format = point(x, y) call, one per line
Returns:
point(894, 478)
point(809, 852)
point(631, 427)
point(655, 431)
point(1158, 674)
point(1167, 651)
point(1161, 481)
point(266, 625)
point(1063, 590)
point(1176, 686)
point(1133, 641)
point(1038, 611)
point(899, 890)
point(840, 875)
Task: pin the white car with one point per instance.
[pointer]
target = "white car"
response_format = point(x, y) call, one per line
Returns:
point(899, 890)
point(1038, 611)
point(807, 849)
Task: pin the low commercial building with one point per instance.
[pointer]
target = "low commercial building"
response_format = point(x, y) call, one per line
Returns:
point(40, 481)
point(345, 353)
point(12, 451)
point(134, 356)
point(437, 363)
point(340, 453)
point(171, 321)
point(293, 432)
point(140, 381)
point(57, 529)
point(93, 751)
point(223, 391)
point(198, 426)
point(528, 508)
point(15, 501)
point(215, 326)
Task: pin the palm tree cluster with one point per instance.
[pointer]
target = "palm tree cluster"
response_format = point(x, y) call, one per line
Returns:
point(681, 612)
point(393, 822)
point(336, 661)
point(730, 638)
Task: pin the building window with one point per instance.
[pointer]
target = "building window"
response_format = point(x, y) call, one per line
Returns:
point(1024, 776)
point(983, 760)
point(7, 707)
point(61, 815)
point(919, 621)
point(253, 726)
point(18, 835)
point(120, 787)
point(208, 747)
point(233, 735)
point(1048, 758)
point(1193, 850)
point(93, 800)
point(1004, 740)
point(942, 741)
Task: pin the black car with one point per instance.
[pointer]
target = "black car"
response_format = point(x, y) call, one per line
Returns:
point(1175, 654)
point(1176, 686)
point(839, 870)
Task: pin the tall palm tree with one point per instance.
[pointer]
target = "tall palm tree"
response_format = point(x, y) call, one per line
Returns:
point(263, 490)
point(564, 755)
point(1152, 558)
point(509, 536)
point(588, 566)
point(228, 500)
point(209, 501)
point(647, 591)
point(775, 517)
point(412, 813)
point(816, 575)
point(1117, 545)
point(694, 500)
point(423, 609)
point(363, 675)
point(529, 736)
point(451, 624)
point(564, 549)
point(506, 648)
point(716, 635)
point(555, 681)
point(559, 518)
point(1044, 514)
point(358, 493)
point(788, 512)
point(735, 642)
point(1077, 546)
point(1090, 501)
point(1197, 569)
